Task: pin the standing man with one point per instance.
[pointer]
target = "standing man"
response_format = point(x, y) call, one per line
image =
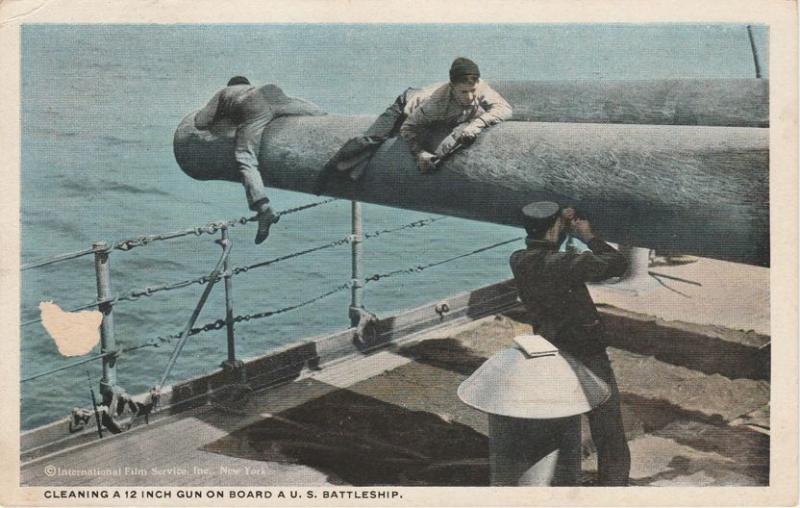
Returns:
point(552, 285)
point(465, 105)
point(249, 110)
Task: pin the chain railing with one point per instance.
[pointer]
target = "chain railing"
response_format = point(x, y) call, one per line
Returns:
point(221, 323)
point(105, 302)
point(110, 353)
point(136, 294)
point(140, 241)
point(419, 268)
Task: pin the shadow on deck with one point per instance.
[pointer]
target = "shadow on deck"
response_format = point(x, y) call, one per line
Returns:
point(393, 418)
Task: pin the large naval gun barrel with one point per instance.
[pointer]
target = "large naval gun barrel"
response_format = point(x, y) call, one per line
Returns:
point(691, 189)
point(713, 102)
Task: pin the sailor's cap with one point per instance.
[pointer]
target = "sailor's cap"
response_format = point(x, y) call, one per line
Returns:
point(539, 214)
point(540, 210)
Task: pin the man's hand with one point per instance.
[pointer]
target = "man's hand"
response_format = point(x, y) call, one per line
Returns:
point(582, 229)
point(469, 133)
point(426, 162)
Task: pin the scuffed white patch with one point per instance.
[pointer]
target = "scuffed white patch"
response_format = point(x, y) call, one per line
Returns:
point(10, 15)
point(75, 333)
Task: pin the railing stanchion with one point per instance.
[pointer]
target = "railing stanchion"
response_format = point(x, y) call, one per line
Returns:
point(108, 343)
point(231, 366)
point(357, 290)
point(229, 301)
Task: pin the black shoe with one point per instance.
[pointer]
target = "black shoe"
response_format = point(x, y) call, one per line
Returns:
point(266, 218)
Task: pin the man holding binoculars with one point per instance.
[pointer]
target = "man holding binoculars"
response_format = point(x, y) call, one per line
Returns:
point(552, 285)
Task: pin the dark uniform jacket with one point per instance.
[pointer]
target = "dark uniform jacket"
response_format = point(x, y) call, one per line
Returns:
point(552, 285)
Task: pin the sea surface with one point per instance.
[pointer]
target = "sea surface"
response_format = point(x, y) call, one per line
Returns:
point(99, 107)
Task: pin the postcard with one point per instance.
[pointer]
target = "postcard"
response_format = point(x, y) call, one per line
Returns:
point(296, 253)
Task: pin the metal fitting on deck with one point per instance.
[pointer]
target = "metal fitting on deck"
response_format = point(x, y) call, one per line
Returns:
point(534, 399)
point(366, 327)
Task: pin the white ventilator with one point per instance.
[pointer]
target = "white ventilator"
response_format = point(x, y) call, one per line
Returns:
point(533, 394)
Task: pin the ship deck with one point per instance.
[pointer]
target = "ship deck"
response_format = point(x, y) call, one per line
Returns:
point(695, 397)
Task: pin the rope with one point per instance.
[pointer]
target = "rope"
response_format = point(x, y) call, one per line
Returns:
point(378, 276)
point(221, 323)
point(216, 325)
point(128, 244)
point(213, 276)
point(658, 279)
point(672, 277)
point(301, 362)
point(168, 338)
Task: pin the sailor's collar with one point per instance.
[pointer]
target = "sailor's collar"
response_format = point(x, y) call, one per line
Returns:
point(534, 243)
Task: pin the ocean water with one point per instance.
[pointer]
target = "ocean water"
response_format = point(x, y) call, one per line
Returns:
point(99, 107)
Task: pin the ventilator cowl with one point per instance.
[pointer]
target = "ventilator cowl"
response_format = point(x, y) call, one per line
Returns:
point(512, 383)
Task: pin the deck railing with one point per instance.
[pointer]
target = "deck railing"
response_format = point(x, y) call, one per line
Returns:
point(106, 301)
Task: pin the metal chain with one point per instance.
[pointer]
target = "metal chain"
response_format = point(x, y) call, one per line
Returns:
point(241, 269)
point(260, 315)
point(416, 224)
point(128, 244)
point(299, 208)
point(210, 228)
point(378, 276)
point(221, 323)
point(133, 295)
point(150, 291)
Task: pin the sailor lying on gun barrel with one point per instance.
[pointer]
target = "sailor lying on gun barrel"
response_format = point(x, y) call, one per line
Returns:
point(248, 109)
point(465, 105)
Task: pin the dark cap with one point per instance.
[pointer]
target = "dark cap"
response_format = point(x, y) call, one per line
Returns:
point(540, 214)
point(463, 67)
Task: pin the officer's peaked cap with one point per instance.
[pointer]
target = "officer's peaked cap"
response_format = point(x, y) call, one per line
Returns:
point(540, 211)
point(540, 214)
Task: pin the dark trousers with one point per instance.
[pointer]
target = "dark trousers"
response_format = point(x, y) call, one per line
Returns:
point(605, 422)
point(387, 125)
